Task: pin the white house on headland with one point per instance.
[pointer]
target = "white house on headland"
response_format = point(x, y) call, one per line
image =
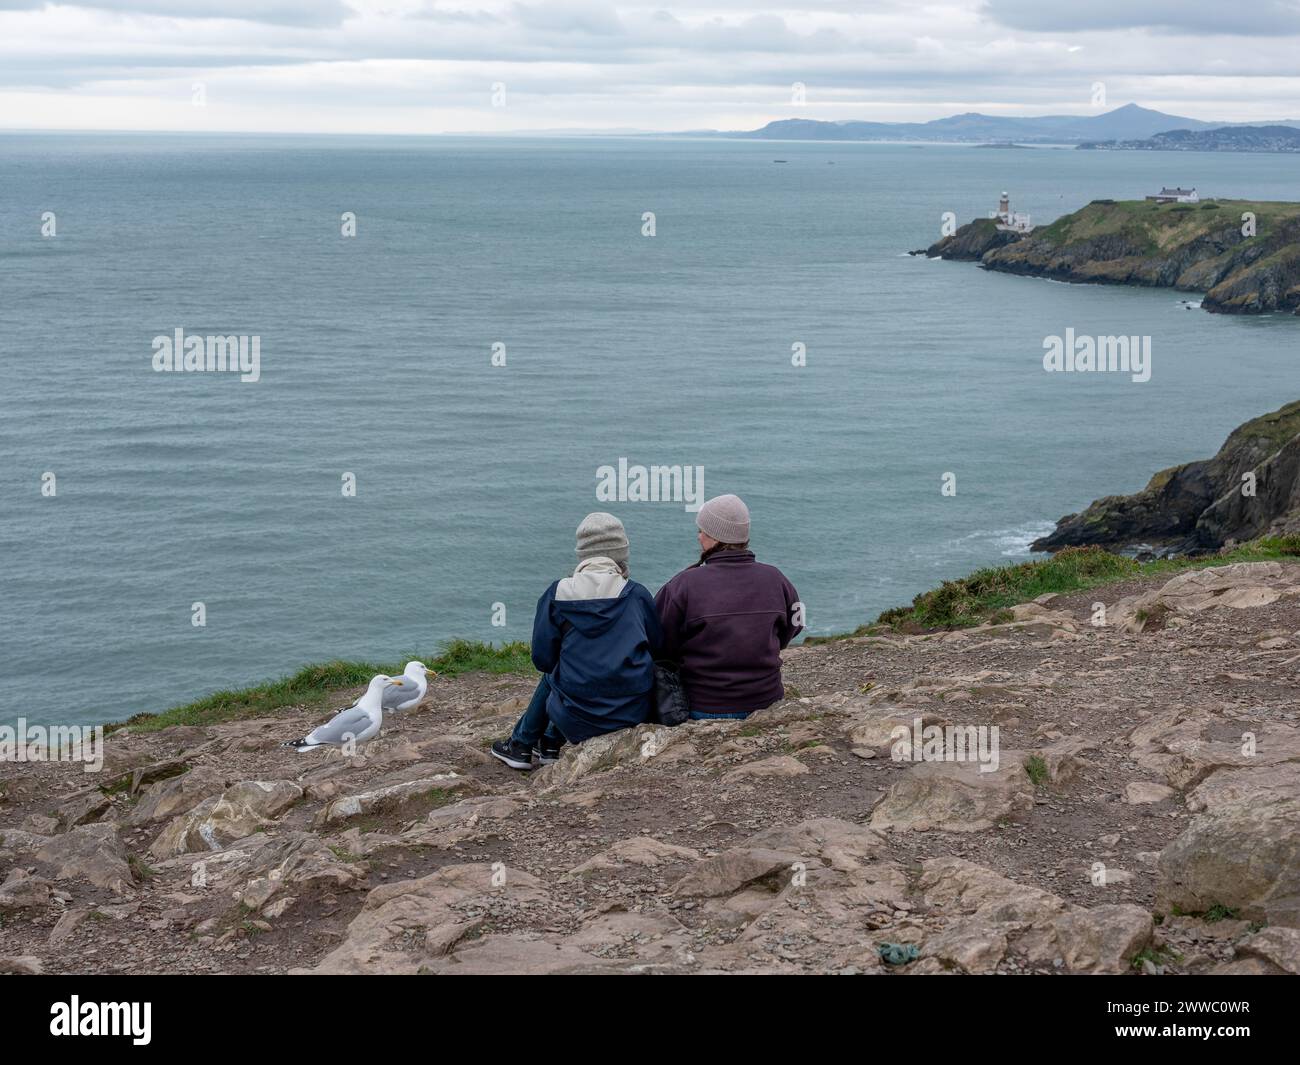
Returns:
point(1176, 196)
point(1006, 219)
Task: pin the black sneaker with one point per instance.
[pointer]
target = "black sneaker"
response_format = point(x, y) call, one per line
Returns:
point(545, 753)
point(515, 755)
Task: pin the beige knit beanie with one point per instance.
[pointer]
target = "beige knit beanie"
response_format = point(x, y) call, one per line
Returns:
point(602, 535)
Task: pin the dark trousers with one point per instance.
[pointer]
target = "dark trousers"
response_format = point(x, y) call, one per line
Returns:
point(535, 724)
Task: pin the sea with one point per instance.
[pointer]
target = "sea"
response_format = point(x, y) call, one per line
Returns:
point(459, 337)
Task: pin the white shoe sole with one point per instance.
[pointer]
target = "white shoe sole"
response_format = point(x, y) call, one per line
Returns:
point(513, 763)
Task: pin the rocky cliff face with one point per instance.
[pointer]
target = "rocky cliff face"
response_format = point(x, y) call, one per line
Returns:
point(793, 842)
point(972, 241)
point(1202, 505)
point(1189, 247)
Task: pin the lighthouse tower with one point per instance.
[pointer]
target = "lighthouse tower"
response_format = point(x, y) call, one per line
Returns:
point(1004, 208)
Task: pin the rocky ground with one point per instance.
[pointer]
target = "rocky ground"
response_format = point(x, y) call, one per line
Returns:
point(1144, 817)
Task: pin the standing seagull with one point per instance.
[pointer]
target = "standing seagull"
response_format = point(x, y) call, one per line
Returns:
point(415, 682)
point(357, 723)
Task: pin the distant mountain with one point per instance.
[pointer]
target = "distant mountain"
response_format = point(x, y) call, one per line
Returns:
point(1129, 122)
point(1223, 139)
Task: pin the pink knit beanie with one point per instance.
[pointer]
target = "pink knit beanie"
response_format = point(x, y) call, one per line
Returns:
point(725, 518)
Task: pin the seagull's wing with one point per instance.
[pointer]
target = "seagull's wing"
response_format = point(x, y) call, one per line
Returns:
point(410, 690)
point(347, 722)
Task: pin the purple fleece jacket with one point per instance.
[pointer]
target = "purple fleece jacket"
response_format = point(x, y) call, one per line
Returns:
point(725, 624)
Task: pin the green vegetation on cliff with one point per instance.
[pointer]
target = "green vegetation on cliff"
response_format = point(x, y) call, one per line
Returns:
point(1160, 226)
point(313, 685)
point(983, 596)
point(986, 594)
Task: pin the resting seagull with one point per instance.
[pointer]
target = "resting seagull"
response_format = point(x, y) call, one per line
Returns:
point(357, 723)
point(415, 682)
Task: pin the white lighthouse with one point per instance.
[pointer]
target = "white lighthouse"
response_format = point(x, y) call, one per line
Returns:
point(1007, 219)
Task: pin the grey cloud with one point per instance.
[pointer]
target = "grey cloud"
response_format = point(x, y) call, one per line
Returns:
point(577, 57)
point(1190, 17)
point(274, 12)
point(570, 16)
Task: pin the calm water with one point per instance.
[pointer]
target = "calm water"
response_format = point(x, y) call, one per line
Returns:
point(375, 360)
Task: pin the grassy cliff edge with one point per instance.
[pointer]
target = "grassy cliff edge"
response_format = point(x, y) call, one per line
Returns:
point(983, 596)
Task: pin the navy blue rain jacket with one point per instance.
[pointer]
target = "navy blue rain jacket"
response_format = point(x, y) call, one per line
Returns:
point(599, 655)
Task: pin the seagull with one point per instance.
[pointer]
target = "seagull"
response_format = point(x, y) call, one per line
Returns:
point(357, 723)
point(415, 682)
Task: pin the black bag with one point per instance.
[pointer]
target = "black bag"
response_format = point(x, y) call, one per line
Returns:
point(670, 705)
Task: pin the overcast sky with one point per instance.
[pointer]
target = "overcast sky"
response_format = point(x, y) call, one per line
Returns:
point(420, 66)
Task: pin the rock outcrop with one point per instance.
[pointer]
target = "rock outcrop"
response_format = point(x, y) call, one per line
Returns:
point(1251, 488)
point(223, 819)
point(1205, 247)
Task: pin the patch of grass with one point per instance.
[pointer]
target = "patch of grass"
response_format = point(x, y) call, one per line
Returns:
point(345, 855)
point(139, 869)
point(1037, 769)
point(436, 798)
point(1146, 227)
point(1216, 913)
point(989, 592)
point(1156, 956)
point(121, 784)
point(312, 685)
point(750, 730)
point(408, 808)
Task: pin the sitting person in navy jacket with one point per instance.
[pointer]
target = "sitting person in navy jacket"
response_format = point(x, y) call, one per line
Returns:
point(595, 636)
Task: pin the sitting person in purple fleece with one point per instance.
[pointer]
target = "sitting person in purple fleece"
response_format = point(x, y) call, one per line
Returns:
point(727, 618)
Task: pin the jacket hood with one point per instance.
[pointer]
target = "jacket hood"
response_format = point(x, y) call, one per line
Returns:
point(594, 598)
